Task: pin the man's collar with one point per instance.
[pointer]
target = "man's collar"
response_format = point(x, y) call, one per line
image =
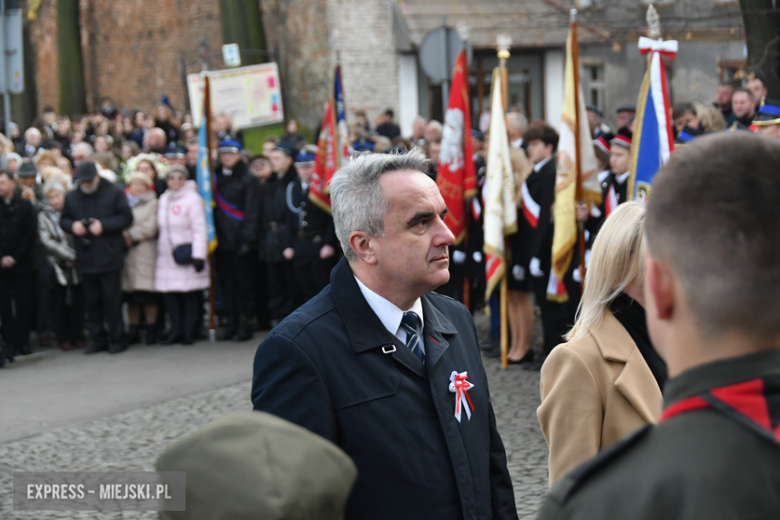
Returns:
point(603, 175)
point(364, 328)
point(621, 179)
point(702, 378)
point(388, 313)
point(518, 143)
point(541, 164)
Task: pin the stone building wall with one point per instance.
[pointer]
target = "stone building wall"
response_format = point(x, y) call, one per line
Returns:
point(369, 61)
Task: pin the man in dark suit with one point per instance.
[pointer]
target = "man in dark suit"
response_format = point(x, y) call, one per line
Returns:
point(310, 238)
point(18, 231)
point(712, 313)
point(237, 199)
point(96, 213)
point(384, 367)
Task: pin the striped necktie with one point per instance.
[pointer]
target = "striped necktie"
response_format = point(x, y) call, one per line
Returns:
point(410, 323)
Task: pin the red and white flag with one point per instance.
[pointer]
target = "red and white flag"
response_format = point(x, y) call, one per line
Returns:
point(457, 178)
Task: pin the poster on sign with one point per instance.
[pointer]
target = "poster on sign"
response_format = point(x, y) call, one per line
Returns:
point(251, 95)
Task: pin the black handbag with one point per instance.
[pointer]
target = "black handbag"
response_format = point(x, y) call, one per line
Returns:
point(182, 254)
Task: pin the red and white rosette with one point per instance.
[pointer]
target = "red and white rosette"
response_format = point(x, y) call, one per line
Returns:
point(460, 387)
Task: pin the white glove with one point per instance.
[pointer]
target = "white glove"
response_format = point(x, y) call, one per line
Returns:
point(477, 256)
point(535, 268)
point(458, 257)
point(577, 275)
point(518, 272)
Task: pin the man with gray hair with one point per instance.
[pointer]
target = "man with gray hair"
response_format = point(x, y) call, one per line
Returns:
point(82, 152)
point(384, 367)
point(516, 125)
point(32, 141)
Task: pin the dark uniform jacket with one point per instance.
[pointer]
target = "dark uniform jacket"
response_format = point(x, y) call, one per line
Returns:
point(274, 215)
point(18, 233)
point(333, 367)
point(240, 192)
point(307, 226)
point(715, 454)
point(536, 241)
point(105, 253)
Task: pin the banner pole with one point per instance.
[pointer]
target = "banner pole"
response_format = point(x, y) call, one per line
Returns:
point(503, 55)
point(575, 55)
point(207, 122)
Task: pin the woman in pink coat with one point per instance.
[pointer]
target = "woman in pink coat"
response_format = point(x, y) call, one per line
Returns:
point(182, 221)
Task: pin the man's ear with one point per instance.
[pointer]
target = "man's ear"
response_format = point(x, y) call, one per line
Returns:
point(361, 244)
point(659, 289)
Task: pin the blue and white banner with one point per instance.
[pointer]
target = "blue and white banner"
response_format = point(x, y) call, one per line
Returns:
point(204, 183)
point(653, 136)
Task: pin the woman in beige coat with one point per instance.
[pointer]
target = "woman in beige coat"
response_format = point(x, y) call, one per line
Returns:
point(141, 257)
point(606, 381)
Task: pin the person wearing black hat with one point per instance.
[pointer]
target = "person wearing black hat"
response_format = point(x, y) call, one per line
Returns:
point(27, 179)
point(310, 238)
point(624, 115)
point(767, 120)
point(175, 154)
point(236, 194)
point(18, 232)
point(96, 213)
point(282, 286)
point(620, 162)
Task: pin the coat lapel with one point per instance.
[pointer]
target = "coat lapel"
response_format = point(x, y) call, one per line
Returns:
point(636, 381)
point(435, 328)
point(364, 328)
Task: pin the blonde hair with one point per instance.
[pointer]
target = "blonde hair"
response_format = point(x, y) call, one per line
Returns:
point(617, 261)
point(56, 175)
point(43, 155)
point(711, 118)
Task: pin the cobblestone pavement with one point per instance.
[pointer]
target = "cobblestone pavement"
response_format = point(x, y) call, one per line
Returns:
point(131, 441)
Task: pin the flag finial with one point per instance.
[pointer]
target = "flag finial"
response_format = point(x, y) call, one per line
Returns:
point(463, 30)
point(653, 23)
point(572, 16)
point(503, 43)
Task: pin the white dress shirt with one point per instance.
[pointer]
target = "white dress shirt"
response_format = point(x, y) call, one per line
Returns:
point(390, 315)
point(539, 166)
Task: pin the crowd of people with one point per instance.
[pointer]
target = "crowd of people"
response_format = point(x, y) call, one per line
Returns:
point(104, 238)
point(103, 230)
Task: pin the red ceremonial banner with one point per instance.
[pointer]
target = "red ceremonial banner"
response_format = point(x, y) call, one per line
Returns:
point(457, 178)
point(326, 163)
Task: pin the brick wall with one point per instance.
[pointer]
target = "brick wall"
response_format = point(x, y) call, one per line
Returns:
point(131, 51)
point(44, 36)
point(131, 48)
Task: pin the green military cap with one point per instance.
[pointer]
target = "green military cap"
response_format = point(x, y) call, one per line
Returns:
point(256, 466)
